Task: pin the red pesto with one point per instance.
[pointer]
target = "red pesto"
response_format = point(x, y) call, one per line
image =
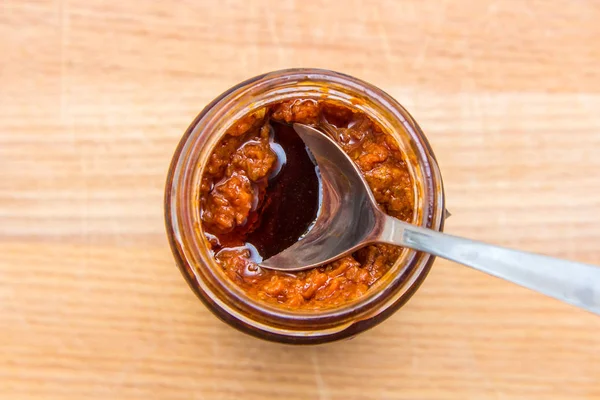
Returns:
point(240, 187)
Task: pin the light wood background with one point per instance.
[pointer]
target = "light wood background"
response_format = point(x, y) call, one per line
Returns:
point(94, 96)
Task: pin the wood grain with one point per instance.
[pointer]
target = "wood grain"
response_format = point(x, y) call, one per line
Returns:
point(94, 96)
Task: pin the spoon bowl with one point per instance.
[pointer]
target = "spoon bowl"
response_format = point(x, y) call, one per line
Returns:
point(348, 217)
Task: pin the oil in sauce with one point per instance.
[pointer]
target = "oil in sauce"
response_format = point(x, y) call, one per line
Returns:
point(290, 204)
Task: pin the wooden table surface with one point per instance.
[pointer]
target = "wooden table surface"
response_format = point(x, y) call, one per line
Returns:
point(94, 97)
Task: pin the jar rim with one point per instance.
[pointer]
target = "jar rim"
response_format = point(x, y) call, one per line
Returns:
point(242, 306)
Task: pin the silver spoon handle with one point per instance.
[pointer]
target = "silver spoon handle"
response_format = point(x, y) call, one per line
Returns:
point(572, 282)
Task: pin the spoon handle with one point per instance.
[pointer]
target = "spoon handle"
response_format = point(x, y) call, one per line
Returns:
point(572, 282)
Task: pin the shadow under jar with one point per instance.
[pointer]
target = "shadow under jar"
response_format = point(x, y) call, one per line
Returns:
point(225, 169)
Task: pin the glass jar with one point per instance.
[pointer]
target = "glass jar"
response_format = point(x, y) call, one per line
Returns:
point(192, 250)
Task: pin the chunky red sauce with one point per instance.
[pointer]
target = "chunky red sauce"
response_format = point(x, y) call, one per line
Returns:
point(260, 193)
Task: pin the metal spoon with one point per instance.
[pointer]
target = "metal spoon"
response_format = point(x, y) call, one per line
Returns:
point(350, 218)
